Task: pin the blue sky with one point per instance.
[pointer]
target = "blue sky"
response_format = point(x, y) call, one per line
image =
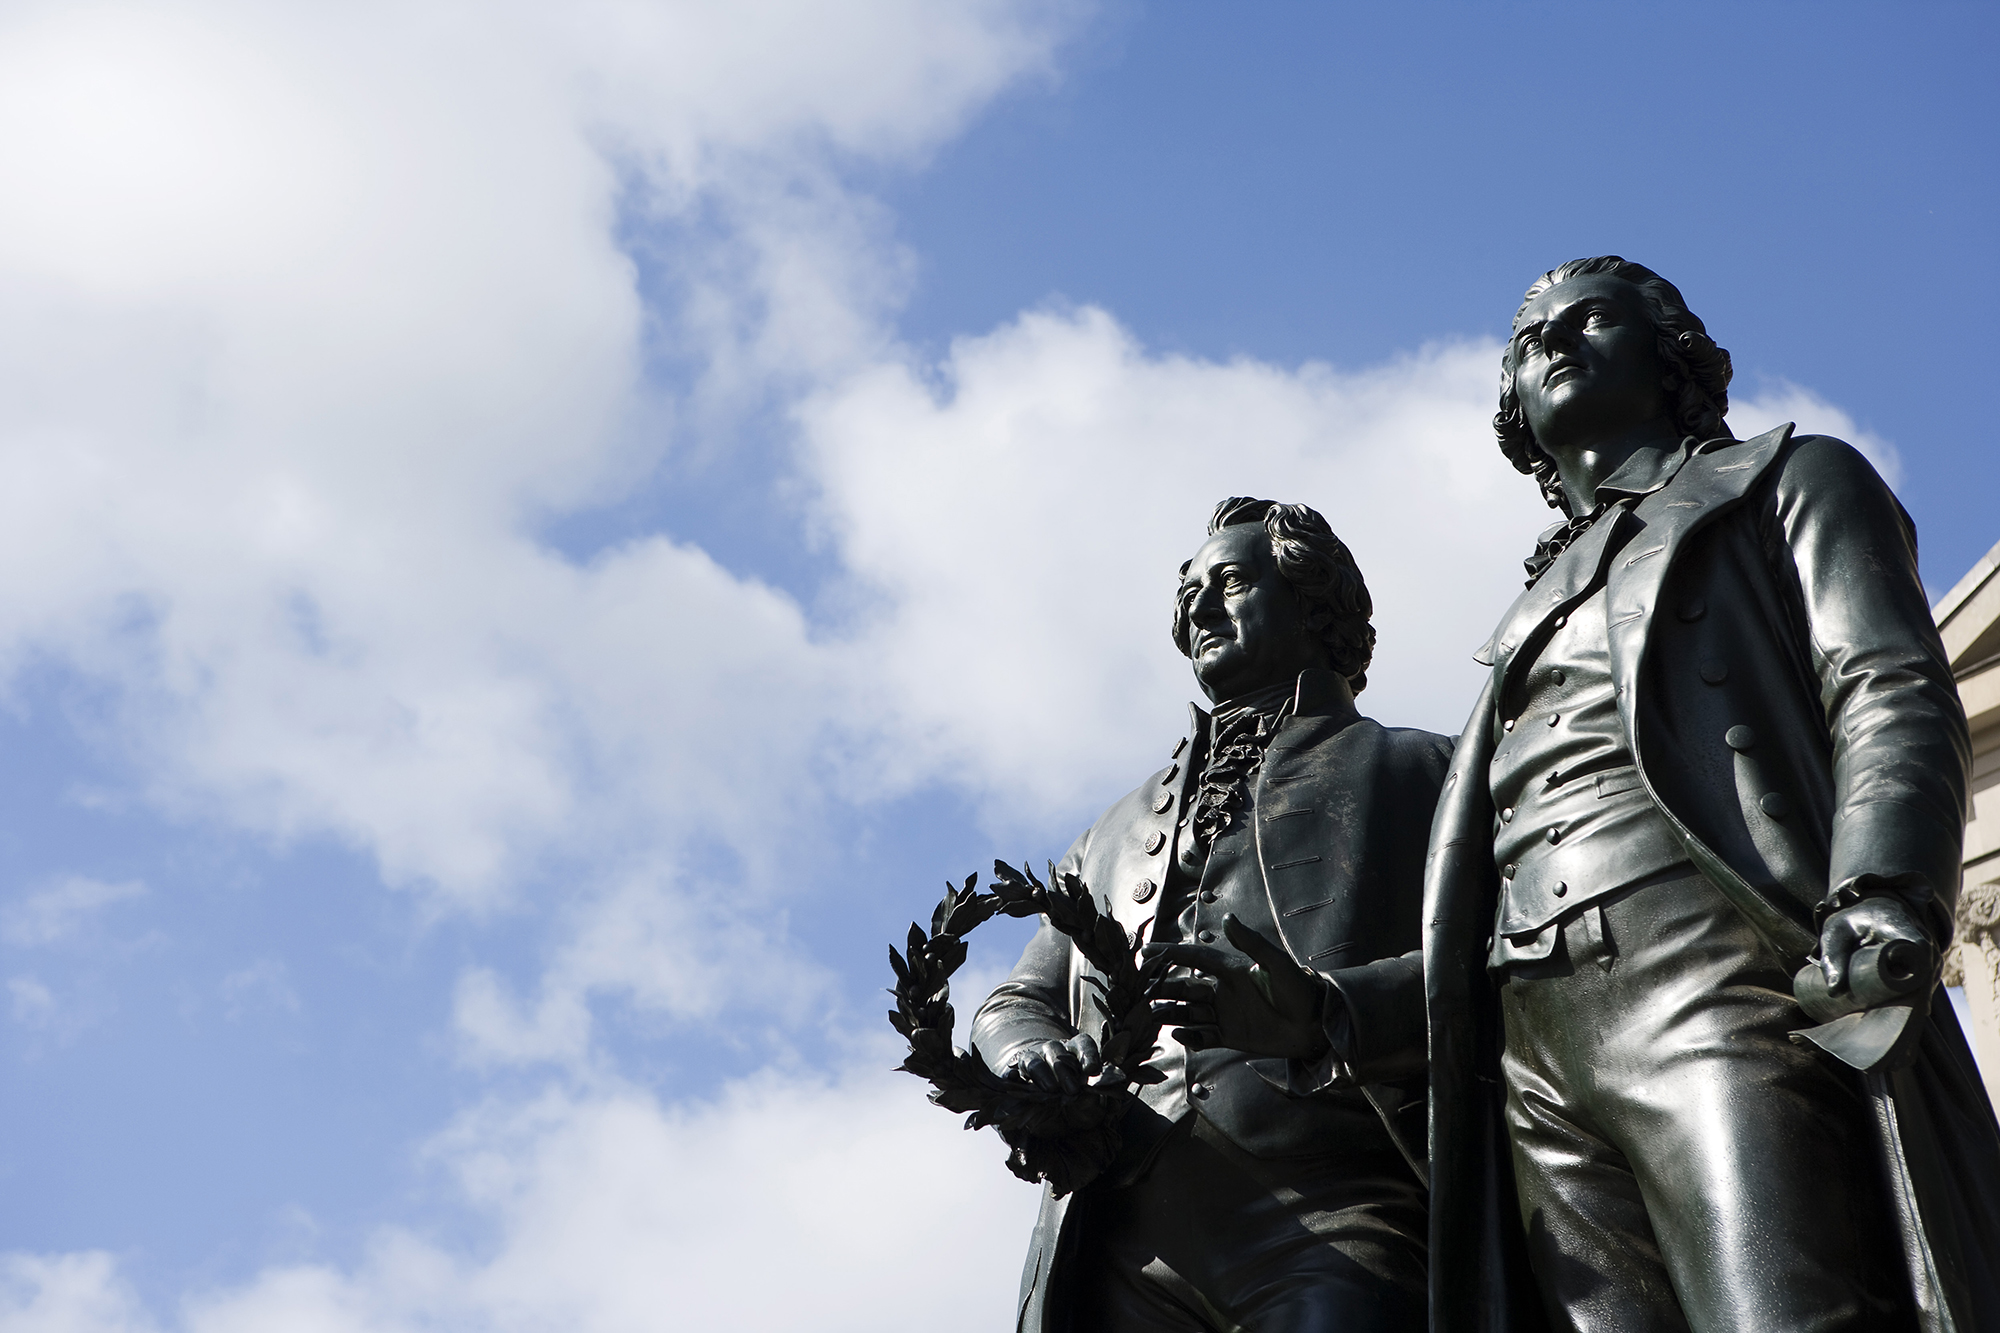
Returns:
point(530, 548)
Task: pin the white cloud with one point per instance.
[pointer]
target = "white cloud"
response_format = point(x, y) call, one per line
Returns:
point(60, 909)
point(261, 987)
point(656, 946)
point(309, 318)
point(67, 1293)
point(309, 322)
point(34, 1004)
point(790, 1202)
point(1783, 401)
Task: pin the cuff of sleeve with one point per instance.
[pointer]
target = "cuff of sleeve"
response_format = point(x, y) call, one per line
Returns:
point(1332, 1068)
point(1913, 889)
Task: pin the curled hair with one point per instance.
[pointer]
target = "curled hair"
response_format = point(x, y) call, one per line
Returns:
point(1695, 372)
point(1320, 569)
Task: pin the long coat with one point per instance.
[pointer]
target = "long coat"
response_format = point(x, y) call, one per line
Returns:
point(1339, 811)
point(1792, 713)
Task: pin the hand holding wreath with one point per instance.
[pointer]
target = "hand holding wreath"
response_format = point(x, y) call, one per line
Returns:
point(1059, 1104)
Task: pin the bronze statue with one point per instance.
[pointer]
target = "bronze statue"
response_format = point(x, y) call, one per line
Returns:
point(1272, 1178)
point(1720, 744)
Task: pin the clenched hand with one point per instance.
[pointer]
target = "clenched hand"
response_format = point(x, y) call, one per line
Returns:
point(1877, 920)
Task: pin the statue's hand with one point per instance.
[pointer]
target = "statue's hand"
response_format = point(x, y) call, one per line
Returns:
point(1876, 920)
point(1258, 1000)
point(1057, 1066)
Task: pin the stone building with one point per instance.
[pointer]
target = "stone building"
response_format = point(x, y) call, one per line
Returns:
point(1969, 618)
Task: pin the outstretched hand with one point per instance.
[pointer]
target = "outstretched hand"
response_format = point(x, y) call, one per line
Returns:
point(1255, 998)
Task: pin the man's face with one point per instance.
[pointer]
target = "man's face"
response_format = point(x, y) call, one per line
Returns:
point(1585, 361)
point(1246, 626)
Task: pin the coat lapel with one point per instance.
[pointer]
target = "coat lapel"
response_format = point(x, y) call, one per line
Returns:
point(1294, 845)
point(1710, 484)
point(1714, 480)
point(1556, 593)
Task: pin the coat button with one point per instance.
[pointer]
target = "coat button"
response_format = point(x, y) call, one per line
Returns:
point(1554, 718)
point(1694, 608)
point(1555, 834)
point(1199, 1091)
point(1179, 745)
point(1508, 870)
point(1774, 804)
point(1206, 895)
point(1561, 621)
point(1507, 815)
point(1173, 771)
point(1557, 676)
point(1739, 738)
point(1562, 889)
point(1508, 725)
point(1154, 841)
point(1162, 801)
point(1715, 671)
point(1206, 937)
point(1143, 890)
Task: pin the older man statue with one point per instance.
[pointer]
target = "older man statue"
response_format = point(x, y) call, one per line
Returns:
point(1720, 741)
point(1270, 1182)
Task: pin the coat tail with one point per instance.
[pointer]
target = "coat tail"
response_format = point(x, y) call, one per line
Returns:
point(1942, 1150)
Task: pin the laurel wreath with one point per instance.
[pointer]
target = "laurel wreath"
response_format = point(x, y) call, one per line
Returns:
point(1064, 1139)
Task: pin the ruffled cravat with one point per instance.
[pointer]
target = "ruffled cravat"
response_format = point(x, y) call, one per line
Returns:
point(1555, 541)
point(1239, 732)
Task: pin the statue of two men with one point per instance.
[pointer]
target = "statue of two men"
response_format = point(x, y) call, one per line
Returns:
point(1534, 1063)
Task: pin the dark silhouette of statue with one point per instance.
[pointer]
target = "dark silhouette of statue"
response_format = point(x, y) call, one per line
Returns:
point(1272, 1178)
point(1720, 748)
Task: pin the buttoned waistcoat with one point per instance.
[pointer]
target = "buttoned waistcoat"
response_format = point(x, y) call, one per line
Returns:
point(1340, 808)
point(1791, 712)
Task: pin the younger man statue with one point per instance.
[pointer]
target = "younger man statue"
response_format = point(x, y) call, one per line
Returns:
point(1268, 1183)
point(1720, 739)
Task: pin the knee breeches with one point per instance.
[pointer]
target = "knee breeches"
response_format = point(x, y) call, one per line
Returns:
point(1682, 1164)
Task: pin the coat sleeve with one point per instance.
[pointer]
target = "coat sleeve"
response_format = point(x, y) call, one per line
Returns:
point(1384, 1004)
point(1033, 1004)
point(1376, 1027)
point(1901, 753)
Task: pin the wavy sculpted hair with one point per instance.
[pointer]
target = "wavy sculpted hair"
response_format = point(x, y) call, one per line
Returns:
point(1321, 571)
point(1696, 371)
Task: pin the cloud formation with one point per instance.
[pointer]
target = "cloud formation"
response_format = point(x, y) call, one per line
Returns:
point(309, 320)
point(58, 910)
point(768, 1207)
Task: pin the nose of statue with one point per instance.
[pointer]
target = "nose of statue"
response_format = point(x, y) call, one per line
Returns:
point(1206, 608)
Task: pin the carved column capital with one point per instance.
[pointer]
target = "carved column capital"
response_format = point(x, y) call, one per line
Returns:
point(1976, 932)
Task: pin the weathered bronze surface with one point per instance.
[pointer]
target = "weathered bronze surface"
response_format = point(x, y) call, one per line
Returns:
point(1740, 768)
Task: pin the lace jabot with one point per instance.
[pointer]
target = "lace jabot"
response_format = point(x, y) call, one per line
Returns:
point(1238, 734)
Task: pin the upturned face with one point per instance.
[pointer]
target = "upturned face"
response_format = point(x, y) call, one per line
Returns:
point(1246, 625)
point(1585, 361)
